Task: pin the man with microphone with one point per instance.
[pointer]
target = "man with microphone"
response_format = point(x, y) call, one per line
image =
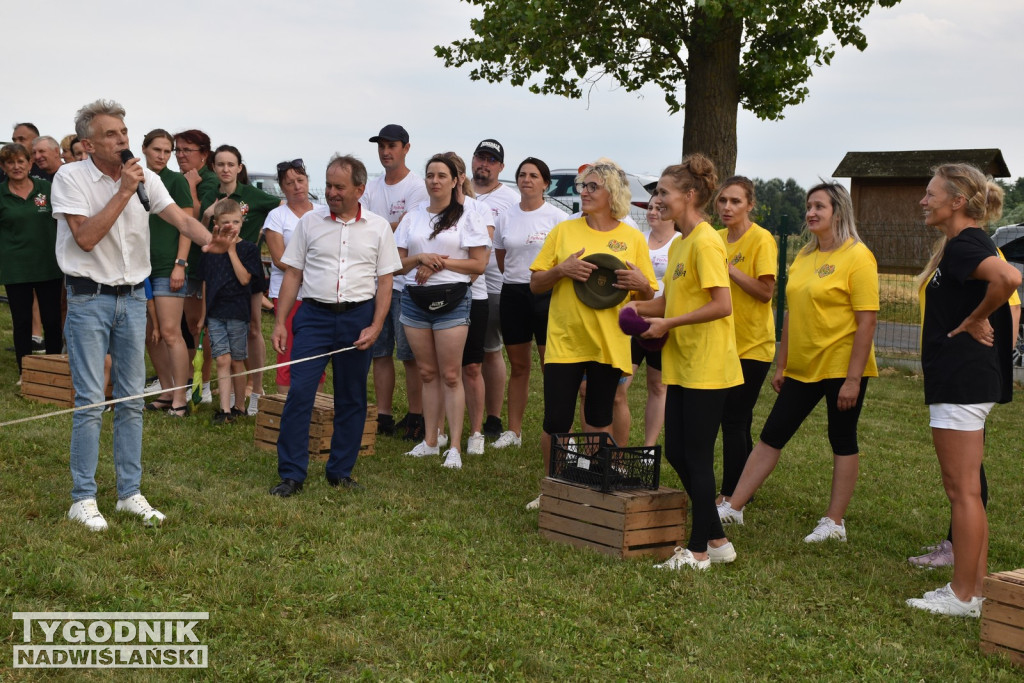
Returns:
point(103, 249)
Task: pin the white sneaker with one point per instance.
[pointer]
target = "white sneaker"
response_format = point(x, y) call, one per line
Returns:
point(682, 559)
point(452, 459)
point(442, 439)
point(826, 530)
point(727, 515)
point(722, 554)
point(421, 450)
point(207, 394)
point(86, 512)
point(153, 386)
point(475, 445)
point(138, 505)
point(254, 405)
point(944, 601)
point(507, 439)
point(535, 503)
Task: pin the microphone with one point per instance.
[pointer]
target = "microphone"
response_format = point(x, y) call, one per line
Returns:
point(140, 189)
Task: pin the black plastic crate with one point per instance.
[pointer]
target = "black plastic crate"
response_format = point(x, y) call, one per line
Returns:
point(596, 461)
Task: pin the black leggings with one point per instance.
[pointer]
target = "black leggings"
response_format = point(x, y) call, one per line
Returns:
point(738, 421)
point(20, 298)
point(562, 386)
point(797, 400)
point(692, 418)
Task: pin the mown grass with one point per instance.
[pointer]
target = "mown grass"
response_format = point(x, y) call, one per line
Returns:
point(430, 574)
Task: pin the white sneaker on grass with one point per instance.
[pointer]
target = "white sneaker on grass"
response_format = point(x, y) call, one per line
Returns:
point(827, 530)
point(727, 515)
point(683, 559)
point(442, 439)
point(944, 601)
point(138, 505)
point(207, 395)
point(533, 504)
point(475, 444)
point(254, 405)
point(722, 554)
point(452, 459)
point(86, 512)
point(153, 386)
point(507, 439)
point(422, 450)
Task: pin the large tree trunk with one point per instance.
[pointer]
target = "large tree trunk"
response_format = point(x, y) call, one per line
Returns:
point(712, 89)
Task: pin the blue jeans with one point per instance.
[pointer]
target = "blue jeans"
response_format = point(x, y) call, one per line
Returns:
point(317, 331)
point(96, 323)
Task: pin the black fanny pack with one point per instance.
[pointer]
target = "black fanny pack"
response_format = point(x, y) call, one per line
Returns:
point(438, 298)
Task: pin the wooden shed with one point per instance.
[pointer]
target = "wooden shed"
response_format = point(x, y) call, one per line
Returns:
point(886, 188)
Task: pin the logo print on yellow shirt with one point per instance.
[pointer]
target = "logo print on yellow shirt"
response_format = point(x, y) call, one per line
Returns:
point(679, 272)
point(738, 258)
point(826, 270)
point(616, 245)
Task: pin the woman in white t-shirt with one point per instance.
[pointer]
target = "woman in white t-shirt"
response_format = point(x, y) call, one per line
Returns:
point(519, 233)
point(294, 182)
point(442, 246)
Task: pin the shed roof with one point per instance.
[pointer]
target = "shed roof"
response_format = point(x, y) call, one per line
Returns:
point(917, 163)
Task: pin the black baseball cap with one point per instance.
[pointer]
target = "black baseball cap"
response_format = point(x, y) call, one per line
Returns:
point(492, 147)
point(392, 132)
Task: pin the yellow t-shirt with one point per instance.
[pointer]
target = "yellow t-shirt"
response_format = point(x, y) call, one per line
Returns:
point(755, 254)
point(823, 292)
point(701, 356)
point(578, 333)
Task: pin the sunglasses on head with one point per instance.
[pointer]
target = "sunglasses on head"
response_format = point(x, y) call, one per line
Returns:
point(294, 163)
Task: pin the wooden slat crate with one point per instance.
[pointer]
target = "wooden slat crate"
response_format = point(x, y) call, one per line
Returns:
point(321, 426)
point(47, 379)
point(1002, 615)
point(620, 523)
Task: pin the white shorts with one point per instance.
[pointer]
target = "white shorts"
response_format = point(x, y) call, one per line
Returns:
point(969, 417)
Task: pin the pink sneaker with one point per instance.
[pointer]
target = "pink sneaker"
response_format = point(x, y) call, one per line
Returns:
point(941, 555)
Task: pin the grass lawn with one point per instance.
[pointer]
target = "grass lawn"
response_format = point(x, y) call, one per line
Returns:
point(435, 574)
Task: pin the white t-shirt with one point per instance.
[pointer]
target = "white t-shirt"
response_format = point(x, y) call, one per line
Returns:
point(282, 220)
point(498, 200)
point(521, 234)
point(413, 235)
point(341, 261)
point(122, 256)
point(391, 201)
point(659, 259)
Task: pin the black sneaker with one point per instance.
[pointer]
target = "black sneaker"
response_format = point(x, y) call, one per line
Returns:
point(385, 424)
point(492, 427)
point(345, 482)
point(414, 428)
point(222, 418)
point(236, 413)
point(38, 346)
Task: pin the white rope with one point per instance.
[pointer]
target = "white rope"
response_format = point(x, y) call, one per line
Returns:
point(163, 390)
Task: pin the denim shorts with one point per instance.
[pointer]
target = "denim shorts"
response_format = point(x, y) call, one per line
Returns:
point(228, 336)
point(414, 316)
point(191, 288)
point(392, 333)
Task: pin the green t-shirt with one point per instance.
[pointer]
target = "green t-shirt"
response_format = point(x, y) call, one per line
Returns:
point(208, 182)
point(28, 233)
point(163, 237)
point(255, 203)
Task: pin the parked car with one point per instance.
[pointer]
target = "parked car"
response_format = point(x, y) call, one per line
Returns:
point(1010, 240)
point(563, 189)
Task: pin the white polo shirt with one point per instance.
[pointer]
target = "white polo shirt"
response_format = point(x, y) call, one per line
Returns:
point(339, 260)
point(122, 256)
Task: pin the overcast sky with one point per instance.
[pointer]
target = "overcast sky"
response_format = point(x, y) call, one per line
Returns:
point(281, 80)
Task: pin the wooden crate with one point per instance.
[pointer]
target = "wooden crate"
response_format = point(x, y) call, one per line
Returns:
point(620, 523)
point(1002, 615)
point(47, 379)
point(321, 426)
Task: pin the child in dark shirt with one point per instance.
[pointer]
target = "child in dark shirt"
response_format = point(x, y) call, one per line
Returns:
point(228, 271)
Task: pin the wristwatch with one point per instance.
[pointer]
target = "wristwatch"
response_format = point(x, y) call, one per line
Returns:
point(181, 262)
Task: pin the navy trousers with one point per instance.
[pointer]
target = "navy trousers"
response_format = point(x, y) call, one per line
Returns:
point(318, 330)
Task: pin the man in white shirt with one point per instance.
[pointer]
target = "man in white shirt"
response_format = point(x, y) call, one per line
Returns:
point(399, 190)
point(341, 260)
point(488, 163)
point(103, 249)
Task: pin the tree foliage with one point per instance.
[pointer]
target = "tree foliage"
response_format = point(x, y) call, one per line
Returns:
point(747, 53)
point(777, 201)
point(1013, 202)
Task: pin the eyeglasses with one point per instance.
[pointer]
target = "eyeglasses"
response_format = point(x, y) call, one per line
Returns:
point(487, 158)
point(185, 150)
point(294, 163)
point(589, 187)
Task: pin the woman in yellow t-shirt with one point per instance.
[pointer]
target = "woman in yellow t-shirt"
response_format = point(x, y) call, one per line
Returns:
point(699, 362)
point(826, 352)
point(582, 340)
point(753, 264)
